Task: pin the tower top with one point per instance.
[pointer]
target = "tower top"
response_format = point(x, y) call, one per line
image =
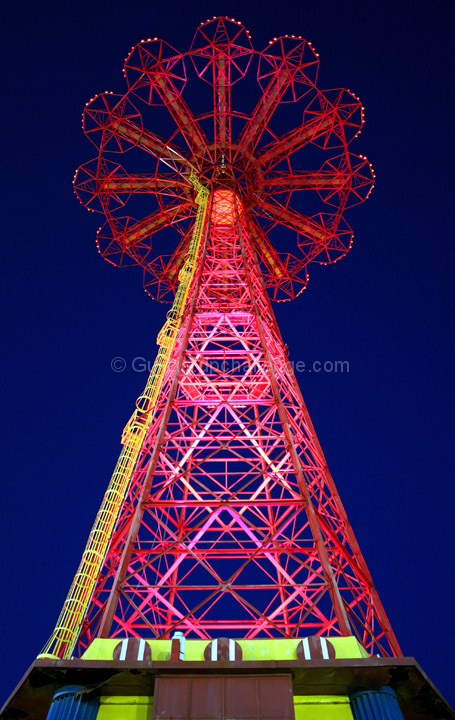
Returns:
point(225, 112)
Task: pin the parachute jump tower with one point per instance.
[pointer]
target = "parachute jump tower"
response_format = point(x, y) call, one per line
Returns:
point(221, 577)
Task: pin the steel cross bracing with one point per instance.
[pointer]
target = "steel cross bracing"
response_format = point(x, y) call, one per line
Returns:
point(232, 522)
point(221, 516)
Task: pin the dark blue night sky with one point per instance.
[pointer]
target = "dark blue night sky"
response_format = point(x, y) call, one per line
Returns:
point(387, 308)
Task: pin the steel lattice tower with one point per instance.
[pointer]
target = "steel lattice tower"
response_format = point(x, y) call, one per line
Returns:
point(221, 578)
point(222, 516)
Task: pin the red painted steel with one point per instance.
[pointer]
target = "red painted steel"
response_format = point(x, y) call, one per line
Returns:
point(250, 697)
point(261, 159)
point(232, 524)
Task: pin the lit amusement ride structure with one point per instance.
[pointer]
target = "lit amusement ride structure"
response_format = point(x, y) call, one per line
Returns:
point(221, 517)
point(221, 578)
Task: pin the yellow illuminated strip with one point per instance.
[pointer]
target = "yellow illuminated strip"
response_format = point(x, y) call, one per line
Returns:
point(61, 643)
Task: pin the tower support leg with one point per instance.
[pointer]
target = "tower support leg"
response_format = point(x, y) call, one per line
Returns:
point(379, 704)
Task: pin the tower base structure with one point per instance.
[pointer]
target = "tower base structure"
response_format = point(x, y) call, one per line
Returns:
point(262, 679)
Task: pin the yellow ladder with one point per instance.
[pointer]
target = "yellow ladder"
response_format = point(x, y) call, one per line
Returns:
point(62, 640)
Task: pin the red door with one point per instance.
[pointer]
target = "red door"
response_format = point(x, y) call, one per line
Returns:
point(232, 697)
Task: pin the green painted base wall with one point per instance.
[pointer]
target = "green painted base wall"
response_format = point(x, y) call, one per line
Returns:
point(322, 707)
point(125, 708)
point(314, 707)
point(258, 649)
point(309, 707)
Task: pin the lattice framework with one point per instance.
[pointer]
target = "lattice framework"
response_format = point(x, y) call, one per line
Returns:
point(228, 519)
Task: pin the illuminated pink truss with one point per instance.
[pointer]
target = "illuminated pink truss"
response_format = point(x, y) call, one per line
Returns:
point(232, 524)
